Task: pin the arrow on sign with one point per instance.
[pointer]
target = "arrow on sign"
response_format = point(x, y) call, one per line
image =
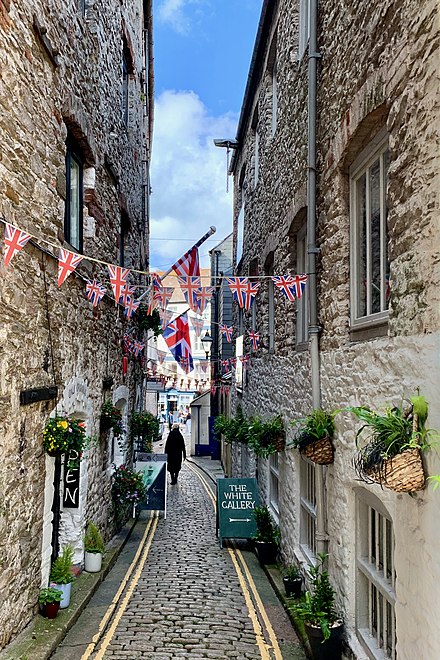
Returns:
point(157, 490)
point(240, 519)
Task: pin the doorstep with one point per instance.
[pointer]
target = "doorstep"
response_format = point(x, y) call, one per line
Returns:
point(42, 636)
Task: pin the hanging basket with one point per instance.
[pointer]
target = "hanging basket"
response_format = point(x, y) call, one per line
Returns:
point(403, 473)
point(320, 452)
point(280, 443)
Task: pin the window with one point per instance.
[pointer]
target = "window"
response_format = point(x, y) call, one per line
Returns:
point(304, 27)
point(73, 215)
point(240, 230)
point(127, 70)
point(302, 304)
point(274, 475)
point(269, 270)
point(125, 228)
point(253, 273)
point(369, 238)
point(376, 578)
point(308, 509)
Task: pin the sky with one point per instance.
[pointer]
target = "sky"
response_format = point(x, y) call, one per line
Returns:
point(202, 53)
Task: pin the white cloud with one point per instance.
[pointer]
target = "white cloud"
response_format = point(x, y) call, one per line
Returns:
point(188, 177)
point(176, 14)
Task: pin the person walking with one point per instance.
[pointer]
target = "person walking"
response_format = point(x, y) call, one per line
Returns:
point(175, 450)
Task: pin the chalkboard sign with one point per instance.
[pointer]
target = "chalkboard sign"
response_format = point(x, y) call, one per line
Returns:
point(71, 481)
point(236, 501)
point(153, 468)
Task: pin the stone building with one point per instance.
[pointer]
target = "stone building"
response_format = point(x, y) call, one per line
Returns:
point(358, 211)
point(76, 94)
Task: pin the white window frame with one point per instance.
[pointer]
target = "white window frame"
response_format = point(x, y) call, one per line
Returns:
point(302, 304)
point(375, 578)
point(274, 484)
point(304, 27)
point(377, 151)
point(308, 509)
point(240, 231)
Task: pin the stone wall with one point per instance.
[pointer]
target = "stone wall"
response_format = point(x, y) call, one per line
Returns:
point(51, 335)
point(377, 70)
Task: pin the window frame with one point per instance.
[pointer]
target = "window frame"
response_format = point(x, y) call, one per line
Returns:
point(303, 27)
point(307, 482)
point(73, 154)
point(274, 484)
point(376, 151)
point(302, 303)
point(371, 581)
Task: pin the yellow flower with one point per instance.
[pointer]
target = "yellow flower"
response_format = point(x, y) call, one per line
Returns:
point(63, 424)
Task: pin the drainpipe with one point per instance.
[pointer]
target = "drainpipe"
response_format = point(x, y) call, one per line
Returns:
point(312, 251)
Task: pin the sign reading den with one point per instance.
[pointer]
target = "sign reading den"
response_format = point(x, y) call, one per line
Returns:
point(236, 501)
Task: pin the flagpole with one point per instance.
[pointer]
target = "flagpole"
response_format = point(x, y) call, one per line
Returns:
point(204, 238)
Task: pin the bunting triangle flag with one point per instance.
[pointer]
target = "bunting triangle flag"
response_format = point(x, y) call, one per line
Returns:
point(67, 262)
point(189, 286)
point(161, 355)
point(126, 294)
point(118, 275)
point(290, 286)
point(95, 291)
point(176, 335)
point(163, 296)
point(131, 307)
point(227, 332)
point(138, 346)
point(255, 339)
point(197, 325)
point(238, 286)
point(203, 295)
point(15, 240)
point(165, 317)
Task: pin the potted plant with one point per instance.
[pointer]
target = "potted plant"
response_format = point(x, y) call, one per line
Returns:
point(394, 440)
point(233, 429)
point(111, 418)
point(145, 427)
point(322, 623)
point(267, 537)
point(292, 580)
point(61, 575)
point(50, 600)
point(94, 548)
point(266, 437)
point(314, 437)
point(64, 434)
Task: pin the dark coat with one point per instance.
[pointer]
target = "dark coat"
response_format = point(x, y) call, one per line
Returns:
point(175, 450)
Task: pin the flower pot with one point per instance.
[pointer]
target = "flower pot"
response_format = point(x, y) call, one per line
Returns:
point(266, 551)
point(320, 452)
point(92, 562)
point(65, 590)
point(403, 473)
point(50, 610)
point(330, 649)
point(292, 587)
point(105, 424)
point(280, 443)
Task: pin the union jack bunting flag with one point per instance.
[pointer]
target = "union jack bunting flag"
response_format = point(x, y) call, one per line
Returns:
point(289, 286)
point(233, 362)
point(238, 286)
point(165, 317)
point(188, 265)
point(249, 294)
point(127, 343)
point(189, 286)
point(197, 325)
point(126, 294)
point(161, 355)
point(118, 275)
point(255, 339)
point(15, 240)
point(244, 359)
point(227, 332)
point(138, 346)
point(95, 291)
point(163, 296)
point(131, 307)
point(176, 335)
point(67, 262)
point(225, 365)
point(203, 296)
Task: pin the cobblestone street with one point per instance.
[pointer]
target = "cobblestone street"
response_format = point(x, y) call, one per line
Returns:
point(188, 600)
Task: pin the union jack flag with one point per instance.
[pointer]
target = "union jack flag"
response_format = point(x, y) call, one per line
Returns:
point(67, 262)
point(176, 335)
point(225, 365)
point(255, 339)
point(15, 240)
point(227, 332)
point(118, 275)
point(163, 296)
point(238, 286)
point(95, 291)
point(126, 294)
point(188, 265)
point(138, 346)
point(203, 296)
point(165, 317)
point(197, 325)
point(249, 294)
point(161, 355)
point(131, 307)
point(299, 282)
point(233, 362)
point(189, 286)
point(127, 343)
point(244, 359)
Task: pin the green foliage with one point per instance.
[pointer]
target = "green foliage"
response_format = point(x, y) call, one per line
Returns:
point(128, 486)
point(50, 595)
point(64, 434)
point(318, 606)
point(145, 426)
point(291, 572)
point(149, 321)
point(315, 426)
point(93, 541)
point(111, 418)
point(258, 434)
point(267, 531)
point(61, 571)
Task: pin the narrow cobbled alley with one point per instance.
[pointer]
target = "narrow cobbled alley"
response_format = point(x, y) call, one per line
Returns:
point(174, 593)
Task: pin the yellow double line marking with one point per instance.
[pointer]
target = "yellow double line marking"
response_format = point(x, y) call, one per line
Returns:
point(144, 546)
point(236, 555)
